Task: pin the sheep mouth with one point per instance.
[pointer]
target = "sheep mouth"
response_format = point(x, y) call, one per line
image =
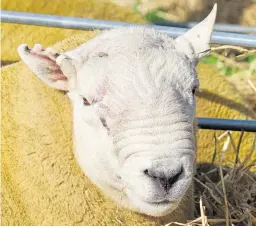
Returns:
point(158, 209)
point(164, 202)
point(158, 203)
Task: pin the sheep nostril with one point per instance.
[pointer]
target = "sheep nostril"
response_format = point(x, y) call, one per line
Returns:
point(165, 182)
point(175, 178)
point(147, 173)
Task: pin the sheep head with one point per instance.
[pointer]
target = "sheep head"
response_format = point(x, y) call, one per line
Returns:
point(133, 97)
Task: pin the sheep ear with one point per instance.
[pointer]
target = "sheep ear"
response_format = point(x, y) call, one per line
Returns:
point(52, 68)
point(195, 42)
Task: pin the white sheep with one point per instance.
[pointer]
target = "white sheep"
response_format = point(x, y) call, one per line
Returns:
point(132, 91)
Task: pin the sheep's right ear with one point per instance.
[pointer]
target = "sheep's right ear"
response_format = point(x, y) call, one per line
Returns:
point(195, 42)
point(54, 69)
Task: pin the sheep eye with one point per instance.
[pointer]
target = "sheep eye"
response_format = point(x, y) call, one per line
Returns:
point(194, 91)
point(86, 103)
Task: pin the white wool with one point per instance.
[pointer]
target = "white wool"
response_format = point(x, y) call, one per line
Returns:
point(136, 139)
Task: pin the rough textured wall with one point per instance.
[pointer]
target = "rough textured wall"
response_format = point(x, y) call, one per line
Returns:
point(15, 34)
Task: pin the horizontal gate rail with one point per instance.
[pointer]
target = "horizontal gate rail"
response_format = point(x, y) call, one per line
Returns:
point(227, 124)
point(84, 23)
point(236, 28)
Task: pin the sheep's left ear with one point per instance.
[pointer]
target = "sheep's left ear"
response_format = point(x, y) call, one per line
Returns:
point(195, 42)
point(56, 70)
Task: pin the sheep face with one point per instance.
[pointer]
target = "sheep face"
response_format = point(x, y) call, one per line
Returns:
point(143, 98)
point(133, 96)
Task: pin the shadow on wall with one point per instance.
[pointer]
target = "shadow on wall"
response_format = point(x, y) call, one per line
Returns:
point(4, 63)
point(213, 97)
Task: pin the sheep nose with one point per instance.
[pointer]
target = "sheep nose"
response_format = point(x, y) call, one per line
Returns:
point(166, 180)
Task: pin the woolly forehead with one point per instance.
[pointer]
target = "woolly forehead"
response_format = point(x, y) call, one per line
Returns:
point(137, 65)
point(131, 60)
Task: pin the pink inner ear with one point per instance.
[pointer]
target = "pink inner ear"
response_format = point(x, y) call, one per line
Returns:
point(58, 76)
point(50, 61)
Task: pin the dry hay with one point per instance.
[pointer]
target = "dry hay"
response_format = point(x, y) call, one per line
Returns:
point(225, 195)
